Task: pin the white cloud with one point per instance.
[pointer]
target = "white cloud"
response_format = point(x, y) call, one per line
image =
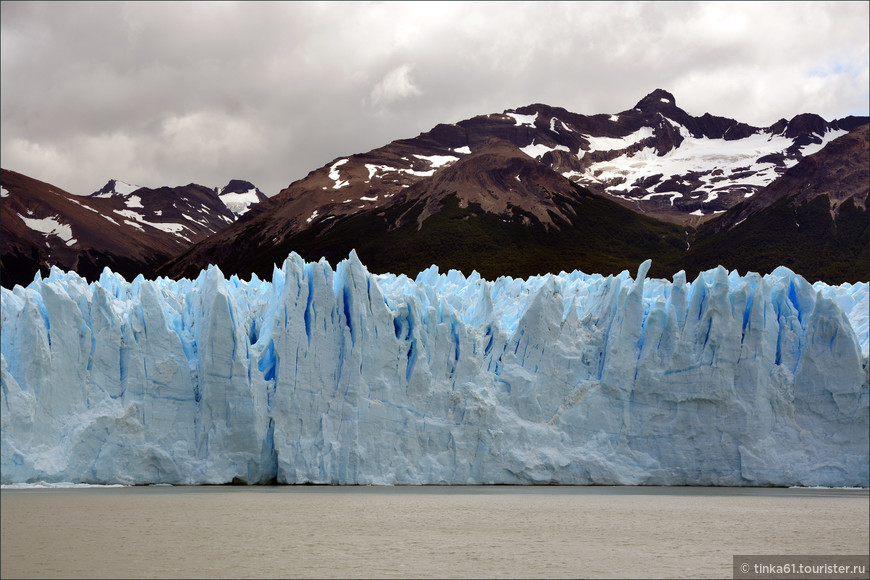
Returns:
point(207, 134)
point(41, 161)
point(396, 84)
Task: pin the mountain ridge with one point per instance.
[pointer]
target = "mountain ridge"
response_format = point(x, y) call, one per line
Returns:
point(125, 227)
point(349, 202)
point(530, 166)
point(596, 151)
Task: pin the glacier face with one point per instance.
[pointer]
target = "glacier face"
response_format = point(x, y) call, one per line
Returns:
point(345, 377)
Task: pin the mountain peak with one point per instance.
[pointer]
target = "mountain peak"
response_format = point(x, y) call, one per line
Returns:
point(497, 145)
point(656, 101)
point(498, 176)
point(115, 187)
point(237, 186)
point(239, 195)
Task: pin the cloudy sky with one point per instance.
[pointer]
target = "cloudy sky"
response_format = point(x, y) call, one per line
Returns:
point(171, 93)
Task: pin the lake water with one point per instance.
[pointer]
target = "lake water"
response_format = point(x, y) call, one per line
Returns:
point(408, 532)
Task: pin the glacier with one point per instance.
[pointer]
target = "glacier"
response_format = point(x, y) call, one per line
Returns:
point(340, 376)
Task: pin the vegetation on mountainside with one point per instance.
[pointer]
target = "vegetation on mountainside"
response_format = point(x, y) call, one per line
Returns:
point(804, 238)
point(600, 237)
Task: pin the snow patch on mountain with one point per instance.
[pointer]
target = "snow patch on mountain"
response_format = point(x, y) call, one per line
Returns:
point(239, 203)
point(825, 139)
point(649, 196)
point(618, 143)
point(523, 120)
point(123, 188)
point(437, 161)
point(336, 176)
point(50, 226)
point(170, 228)
point(535, 151)
point(735, 161)
point(374, 169)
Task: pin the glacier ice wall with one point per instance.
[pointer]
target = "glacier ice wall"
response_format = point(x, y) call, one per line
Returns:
point(345, 377)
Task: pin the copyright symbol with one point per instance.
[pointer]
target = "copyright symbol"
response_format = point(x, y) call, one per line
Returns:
point(744, 568)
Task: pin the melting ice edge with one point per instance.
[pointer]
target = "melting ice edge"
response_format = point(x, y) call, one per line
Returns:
point(346, 377)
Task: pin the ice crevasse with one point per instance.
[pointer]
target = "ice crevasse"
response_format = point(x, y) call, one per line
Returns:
point(346, 377)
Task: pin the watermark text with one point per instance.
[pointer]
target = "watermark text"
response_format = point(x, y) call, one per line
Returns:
point(808, 567)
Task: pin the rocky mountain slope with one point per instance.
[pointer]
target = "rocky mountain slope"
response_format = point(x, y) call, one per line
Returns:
point(654, 158)
point(813, 219)
point(496, 211)
point(838, 171)
point(188, 212)
point(541, 189)
point(237, 196)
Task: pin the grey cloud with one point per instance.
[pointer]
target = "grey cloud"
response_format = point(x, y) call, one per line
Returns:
point(168, 93)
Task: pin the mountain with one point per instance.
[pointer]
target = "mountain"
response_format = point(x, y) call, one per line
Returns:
point(189, 212)
point(838, 171)
point(496, 211)
point(813, 220)
point(128, 228)
point(239, 195)
point(539, 189)
point(43, 225)
point(536, 189)
point(654, 158)
point(664, 162)
point(115, 188)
